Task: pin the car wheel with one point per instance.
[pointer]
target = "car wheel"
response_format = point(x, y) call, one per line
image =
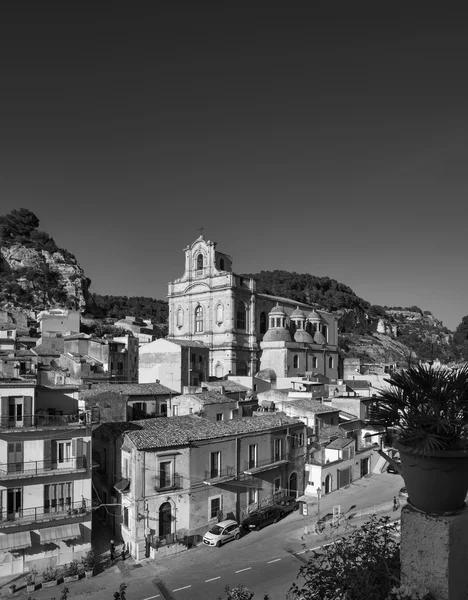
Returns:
point(275, 520)
point(296, 507)
point(237, 536)
point(257, 528)
point(218, 544)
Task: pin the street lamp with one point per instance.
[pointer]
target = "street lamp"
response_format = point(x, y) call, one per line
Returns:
point(319, 494)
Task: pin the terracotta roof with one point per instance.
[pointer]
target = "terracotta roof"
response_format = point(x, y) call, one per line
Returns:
point(128, 389)
point(45, 351)
point(357, 384)
point(340, 443)
point(227, 384)
point(319, 338)
point(183, 431)
point(207, 397)
point(311, 405)
point(303, 336)
point(277, 335)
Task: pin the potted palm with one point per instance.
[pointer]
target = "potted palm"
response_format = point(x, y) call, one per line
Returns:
point(429, 410)
point(71, 571)
point(49, 577)
point(31, 580)
point(89, 562)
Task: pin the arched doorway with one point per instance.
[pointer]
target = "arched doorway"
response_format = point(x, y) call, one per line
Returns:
point(328, 484)
point(165, 519)
point(293, 484)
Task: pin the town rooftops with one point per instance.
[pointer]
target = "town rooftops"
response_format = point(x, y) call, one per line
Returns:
point(339, 443)
point(227, 385)
point(307, 404)
point(169, 432)
point(187, 343)
point(357, 384)
point(206, 397)
point(128, 389)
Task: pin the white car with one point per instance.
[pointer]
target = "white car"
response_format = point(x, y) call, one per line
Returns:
point(222, 532)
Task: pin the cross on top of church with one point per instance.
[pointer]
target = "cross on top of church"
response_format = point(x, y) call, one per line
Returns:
point(201, 230)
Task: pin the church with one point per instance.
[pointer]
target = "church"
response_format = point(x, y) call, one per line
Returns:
point(244, 330)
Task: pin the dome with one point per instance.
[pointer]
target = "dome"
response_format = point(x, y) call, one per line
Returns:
point(297, 313)
point(319, 338)
point(304, 336)
point(314, 317)
point(266, 375)
point(277, 310)
point(275, 334)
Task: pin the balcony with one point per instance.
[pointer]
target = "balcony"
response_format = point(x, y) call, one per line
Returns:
point(259, 466)
point(49, 420)
point(217, 476)
point(16, 470)
point(44, 513)
point(165, 483)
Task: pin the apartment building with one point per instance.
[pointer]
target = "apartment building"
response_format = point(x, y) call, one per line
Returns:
point(45, 478)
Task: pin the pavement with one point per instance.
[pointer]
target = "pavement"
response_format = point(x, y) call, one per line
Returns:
point(372, 494)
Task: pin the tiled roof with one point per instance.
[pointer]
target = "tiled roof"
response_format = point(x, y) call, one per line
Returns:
point(128, 389)
point(41, 351)
point(182, 431)
point(357, 384)
point(229, 386)
point(311, 405)
point(207, 397)
point(7, 326)
point(187, 343)
point(340, 443)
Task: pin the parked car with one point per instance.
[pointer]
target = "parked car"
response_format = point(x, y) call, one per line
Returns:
point(222, 532)
point(391, 468)
point(262, 517)
point(403, 493)
point(287, 505)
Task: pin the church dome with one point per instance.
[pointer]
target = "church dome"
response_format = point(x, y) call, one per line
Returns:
point(266, 375)
point(275, 334)
point(277, 310)
point(303, 336)
point(319, 338)
point(314, 317)
point(297, 313)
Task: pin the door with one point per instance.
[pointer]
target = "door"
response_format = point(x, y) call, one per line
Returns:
point(16, 412)
point(165, 519)
point(364, 467)
point(15, 457)
point(293, 485)
point(14, 503)
point(328, 484)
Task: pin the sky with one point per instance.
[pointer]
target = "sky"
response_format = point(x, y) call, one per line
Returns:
point(326, 138)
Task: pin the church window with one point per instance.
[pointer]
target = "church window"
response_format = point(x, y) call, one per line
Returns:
point(241, 316)
point(221, 264)
point(263, 322)
point(198, 319)
point(278, 322)
point(330, 362)
point(325, 332)
point(199, 262)
point(219, 370)
point(314, 362)
point(242, 368)
point(296, 361)
point(180, 317)
point(219, 313)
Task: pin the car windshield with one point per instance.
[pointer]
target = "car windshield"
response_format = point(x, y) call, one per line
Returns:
point(216, 530)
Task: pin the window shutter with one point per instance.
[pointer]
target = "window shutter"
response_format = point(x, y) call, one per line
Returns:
point(47, 454)
point(79, 452)
point(4, 411)
point(28, 416)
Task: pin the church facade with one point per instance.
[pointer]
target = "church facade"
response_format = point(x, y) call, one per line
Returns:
point(244, 330)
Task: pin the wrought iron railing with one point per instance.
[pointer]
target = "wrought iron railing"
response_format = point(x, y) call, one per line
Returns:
point(225, 472)
point(49, 420)
point(170, 482)
point(248, 464)
point(57, 508)
point(39, 467)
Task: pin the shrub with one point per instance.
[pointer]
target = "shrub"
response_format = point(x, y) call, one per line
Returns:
point(49, 574)
point(89, 560)
point(72, 568)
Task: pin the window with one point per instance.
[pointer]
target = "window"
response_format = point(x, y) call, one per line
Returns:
point(278, 449)
point(125, 467)
point(296, 361)
point(64, 453)
point(215, 464)
point(175, 410)
point(253, 495)
point(57, 497)
point(215, 507)
point(198, 319)
point(219, 313)
point(301, 439)
point(9, 333)
point(163, 409)
point(325, 332)
point(14, 500)
point(234, 413)
point(241, 368)
point(241, 316)
point(252, 456)
point(277, 484)
point(199, 262)
point(219, 370)
point(180, 317)
point(351, 452)
point(15, 457)
point(221, 264)
point(219, 417)
point(125, 517)
point(165, 474)
point(263, 322)
point(330, 362)
point(314, 362)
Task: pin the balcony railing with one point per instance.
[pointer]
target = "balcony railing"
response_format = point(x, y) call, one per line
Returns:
point(172, 482)
point(41, 513)
point(40, 467)
point(266, 463)
point(225, 472)
point(49, 420)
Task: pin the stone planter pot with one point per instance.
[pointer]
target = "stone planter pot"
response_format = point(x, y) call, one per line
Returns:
point(89, 574)
point(436, 483)
point(70, 578)
point(47, 584)
point(12, 588)
point(31, 587)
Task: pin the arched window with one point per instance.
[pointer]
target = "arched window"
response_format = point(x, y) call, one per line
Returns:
point(219, 313)
point(180, 317)
point(330, 362)
point(241, 368)
point(263, 322)
point(219, 370)
point(198, 319)
point(165, 519)
point(314, 362)
point(295, 361)
point(221, 264)
point(325, 332)
point(241, 316)
point(199, 262)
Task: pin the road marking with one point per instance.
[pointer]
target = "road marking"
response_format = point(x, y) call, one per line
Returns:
point(272, 561)
point(212, 579)
point(241, 570)
point(301, 552)
point(182, 588)
point(151, 597)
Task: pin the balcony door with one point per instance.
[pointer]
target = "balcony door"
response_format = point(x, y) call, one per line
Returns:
point(165, 474)
point(15, 457)
point(15, 412)
point(14, 503)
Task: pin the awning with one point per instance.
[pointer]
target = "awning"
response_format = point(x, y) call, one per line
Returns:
point(122, 485)
point(268, 467)
point(64, 532)
point(15, 541)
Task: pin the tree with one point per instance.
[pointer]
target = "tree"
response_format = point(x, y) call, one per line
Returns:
point(121, 593)
point(18, 224)
point(362, 566)
point(240, 592)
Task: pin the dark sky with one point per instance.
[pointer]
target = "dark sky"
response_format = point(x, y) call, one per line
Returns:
point(322, 137)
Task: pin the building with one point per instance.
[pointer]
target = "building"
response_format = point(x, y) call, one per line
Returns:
point(244, 330)
point(175, 363)
point(45, 484)
point(142, 329)
point(57, 322)
point(171, 479)
point(212, 405)
point(7, 336)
